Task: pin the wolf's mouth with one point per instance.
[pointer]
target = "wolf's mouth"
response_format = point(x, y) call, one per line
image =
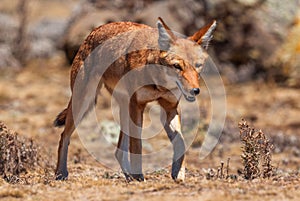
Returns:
point(189, 97)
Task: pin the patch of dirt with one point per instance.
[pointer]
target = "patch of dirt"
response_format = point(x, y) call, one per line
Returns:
point(30, 100)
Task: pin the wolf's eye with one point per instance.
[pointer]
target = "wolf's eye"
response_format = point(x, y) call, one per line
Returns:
point(198, 65)
point(177, 66)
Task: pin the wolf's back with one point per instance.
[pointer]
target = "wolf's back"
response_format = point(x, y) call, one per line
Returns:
point(128, 31)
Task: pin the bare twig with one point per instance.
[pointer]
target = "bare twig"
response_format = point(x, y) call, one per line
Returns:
point(21, 44)
point(222, 168)
point(227, 168)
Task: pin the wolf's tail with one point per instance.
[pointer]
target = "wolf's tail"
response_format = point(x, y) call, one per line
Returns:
point(61, 118)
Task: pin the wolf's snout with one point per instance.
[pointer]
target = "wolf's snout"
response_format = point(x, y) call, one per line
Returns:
point(195, 91)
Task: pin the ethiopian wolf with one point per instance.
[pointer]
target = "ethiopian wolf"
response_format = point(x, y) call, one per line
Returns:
point(175, 63)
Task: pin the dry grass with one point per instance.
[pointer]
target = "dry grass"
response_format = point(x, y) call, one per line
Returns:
point(30, 99)
point(29, 111)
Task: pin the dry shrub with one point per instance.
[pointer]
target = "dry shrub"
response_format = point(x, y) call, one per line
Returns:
point(257, 152)
point(17, 154)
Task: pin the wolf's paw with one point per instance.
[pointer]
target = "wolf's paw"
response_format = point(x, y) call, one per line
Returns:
point(61, 175)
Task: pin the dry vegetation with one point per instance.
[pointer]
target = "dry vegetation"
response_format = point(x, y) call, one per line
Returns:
point(16, 155)
point(214, 178)
point(257, 155)
point(247, 164)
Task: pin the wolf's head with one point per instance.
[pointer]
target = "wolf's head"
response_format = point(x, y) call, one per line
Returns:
point(185, 57)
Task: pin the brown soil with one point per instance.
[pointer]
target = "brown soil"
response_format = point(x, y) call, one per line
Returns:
point(31, 99)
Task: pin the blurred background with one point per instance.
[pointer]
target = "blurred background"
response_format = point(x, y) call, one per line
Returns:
point(256, 48)
point(255, 39)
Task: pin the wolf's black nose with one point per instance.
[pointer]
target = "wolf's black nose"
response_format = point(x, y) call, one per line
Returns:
point(195, 91)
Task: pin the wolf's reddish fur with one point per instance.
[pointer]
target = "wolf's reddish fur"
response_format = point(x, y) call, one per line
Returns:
point(183, 57)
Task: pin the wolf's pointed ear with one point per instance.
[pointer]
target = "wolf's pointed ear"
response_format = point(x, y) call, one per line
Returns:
point(165, 35)
point(204, 35)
